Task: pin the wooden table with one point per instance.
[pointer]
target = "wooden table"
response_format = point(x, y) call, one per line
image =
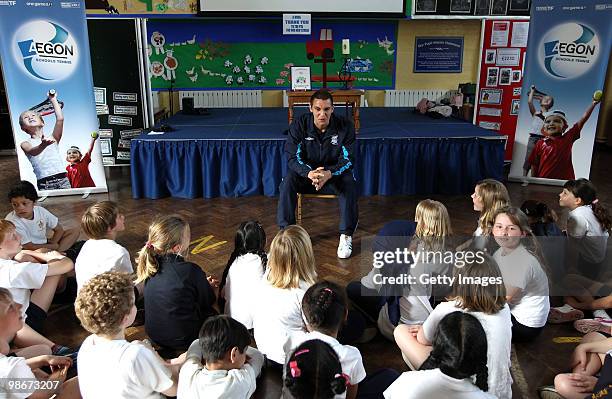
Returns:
point(346, 97)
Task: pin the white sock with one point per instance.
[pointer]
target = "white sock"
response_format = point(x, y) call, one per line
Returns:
point(601, 313)
point(565, 308)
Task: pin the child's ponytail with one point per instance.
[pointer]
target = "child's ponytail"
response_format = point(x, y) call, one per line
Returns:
point(602, 215)
point(165, 233)
point(250, 238)
point(586, 191)
point(482, 377)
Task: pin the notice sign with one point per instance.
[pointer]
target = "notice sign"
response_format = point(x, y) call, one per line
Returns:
point(296, 24)
point(438, 54)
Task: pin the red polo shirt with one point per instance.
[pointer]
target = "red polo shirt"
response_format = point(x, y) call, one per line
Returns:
point(78, 173)
point(551, 157)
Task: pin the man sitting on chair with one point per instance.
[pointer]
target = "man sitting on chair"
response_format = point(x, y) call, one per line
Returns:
point(319, 152)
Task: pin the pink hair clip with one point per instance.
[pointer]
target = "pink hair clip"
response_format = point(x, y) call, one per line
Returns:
point(301, 352)
point(149, 245)
point(295, 370)
point(596, 200)
point(328, 290)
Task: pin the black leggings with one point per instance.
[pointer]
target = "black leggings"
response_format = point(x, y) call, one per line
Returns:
point(522, 333)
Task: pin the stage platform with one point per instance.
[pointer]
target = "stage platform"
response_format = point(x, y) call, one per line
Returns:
point(240, 152)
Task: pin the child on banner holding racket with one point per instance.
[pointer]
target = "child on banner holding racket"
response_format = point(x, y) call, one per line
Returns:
point(43, 152)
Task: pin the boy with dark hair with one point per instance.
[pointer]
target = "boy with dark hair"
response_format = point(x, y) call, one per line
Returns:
point(220, 364)
point(33, 221)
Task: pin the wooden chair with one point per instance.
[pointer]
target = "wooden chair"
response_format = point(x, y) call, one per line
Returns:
point(299, 202)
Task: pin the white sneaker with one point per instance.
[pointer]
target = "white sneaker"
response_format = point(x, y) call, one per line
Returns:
point(601, 314)
point(345, 246)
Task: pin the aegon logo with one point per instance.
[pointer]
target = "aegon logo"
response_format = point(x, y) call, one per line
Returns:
point(569, 50)
point(46, 50)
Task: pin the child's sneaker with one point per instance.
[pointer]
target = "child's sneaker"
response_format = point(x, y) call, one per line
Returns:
point(586, 326)
point(564, 314)
point(601, 314)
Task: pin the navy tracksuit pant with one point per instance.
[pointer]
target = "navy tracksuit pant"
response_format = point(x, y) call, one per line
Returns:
point(344, 186)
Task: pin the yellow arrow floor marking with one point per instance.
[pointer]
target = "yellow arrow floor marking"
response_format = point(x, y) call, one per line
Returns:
point(201, 244)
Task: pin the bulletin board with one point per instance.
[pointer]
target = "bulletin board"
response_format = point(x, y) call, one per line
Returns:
point(117, 90)
point(501, 77)
point(477, 8)
point(230, 54)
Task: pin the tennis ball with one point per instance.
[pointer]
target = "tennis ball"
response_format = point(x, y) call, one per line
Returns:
point(597, 95)
point(94, 135)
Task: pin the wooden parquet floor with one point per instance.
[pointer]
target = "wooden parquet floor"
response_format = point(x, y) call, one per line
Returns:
point(535, 363)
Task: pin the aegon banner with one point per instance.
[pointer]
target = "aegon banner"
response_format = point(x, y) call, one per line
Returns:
point(47, 73)
point(566, 62)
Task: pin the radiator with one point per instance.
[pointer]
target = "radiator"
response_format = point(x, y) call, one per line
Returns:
point(362, 101)
point(410, 98)
point(223, 98)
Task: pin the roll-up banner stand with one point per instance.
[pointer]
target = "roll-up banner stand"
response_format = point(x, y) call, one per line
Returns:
point(567, 57)
point(46, 66)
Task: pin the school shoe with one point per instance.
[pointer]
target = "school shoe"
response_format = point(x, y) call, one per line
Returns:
point(586, 326)
point(564, 314)
point(549, 392)
point(345, 246)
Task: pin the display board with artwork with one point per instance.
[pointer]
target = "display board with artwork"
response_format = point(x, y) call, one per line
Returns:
point(501, 71)
point(254, 54)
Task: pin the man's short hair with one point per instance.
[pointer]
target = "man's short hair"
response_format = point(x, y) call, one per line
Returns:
point(321, 94)
point(99, 218)
point(104, 301)
point(23, 189)
point(219, 334)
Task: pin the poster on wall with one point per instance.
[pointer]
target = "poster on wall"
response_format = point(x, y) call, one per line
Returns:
point(438, 54)
point(255, 54)
point(47, 75)
point(568, 52)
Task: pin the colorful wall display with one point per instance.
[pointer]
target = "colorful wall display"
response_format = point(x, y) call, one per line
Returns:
point(47, 73)
point(141, 7)
point(255, 54)
point(503, 53)
point(568, 53)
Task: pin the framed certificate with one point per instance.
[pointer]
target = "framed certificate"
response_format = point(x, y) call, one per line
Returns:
point(300, 78)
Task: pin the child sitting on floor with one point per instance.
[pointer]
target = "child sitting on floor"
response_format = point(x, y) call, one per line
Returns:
point(313, 370)
point(178, 296)
point(32, 221)
point(244, 269)
point(108, 365)
point(100, 253)
point(456, 366)
point(220, 364)
point(32, 278)
point(15, 369)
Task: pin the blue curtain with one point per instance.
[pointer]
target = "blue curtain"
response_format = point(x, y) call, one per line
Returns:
point(236, 168)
